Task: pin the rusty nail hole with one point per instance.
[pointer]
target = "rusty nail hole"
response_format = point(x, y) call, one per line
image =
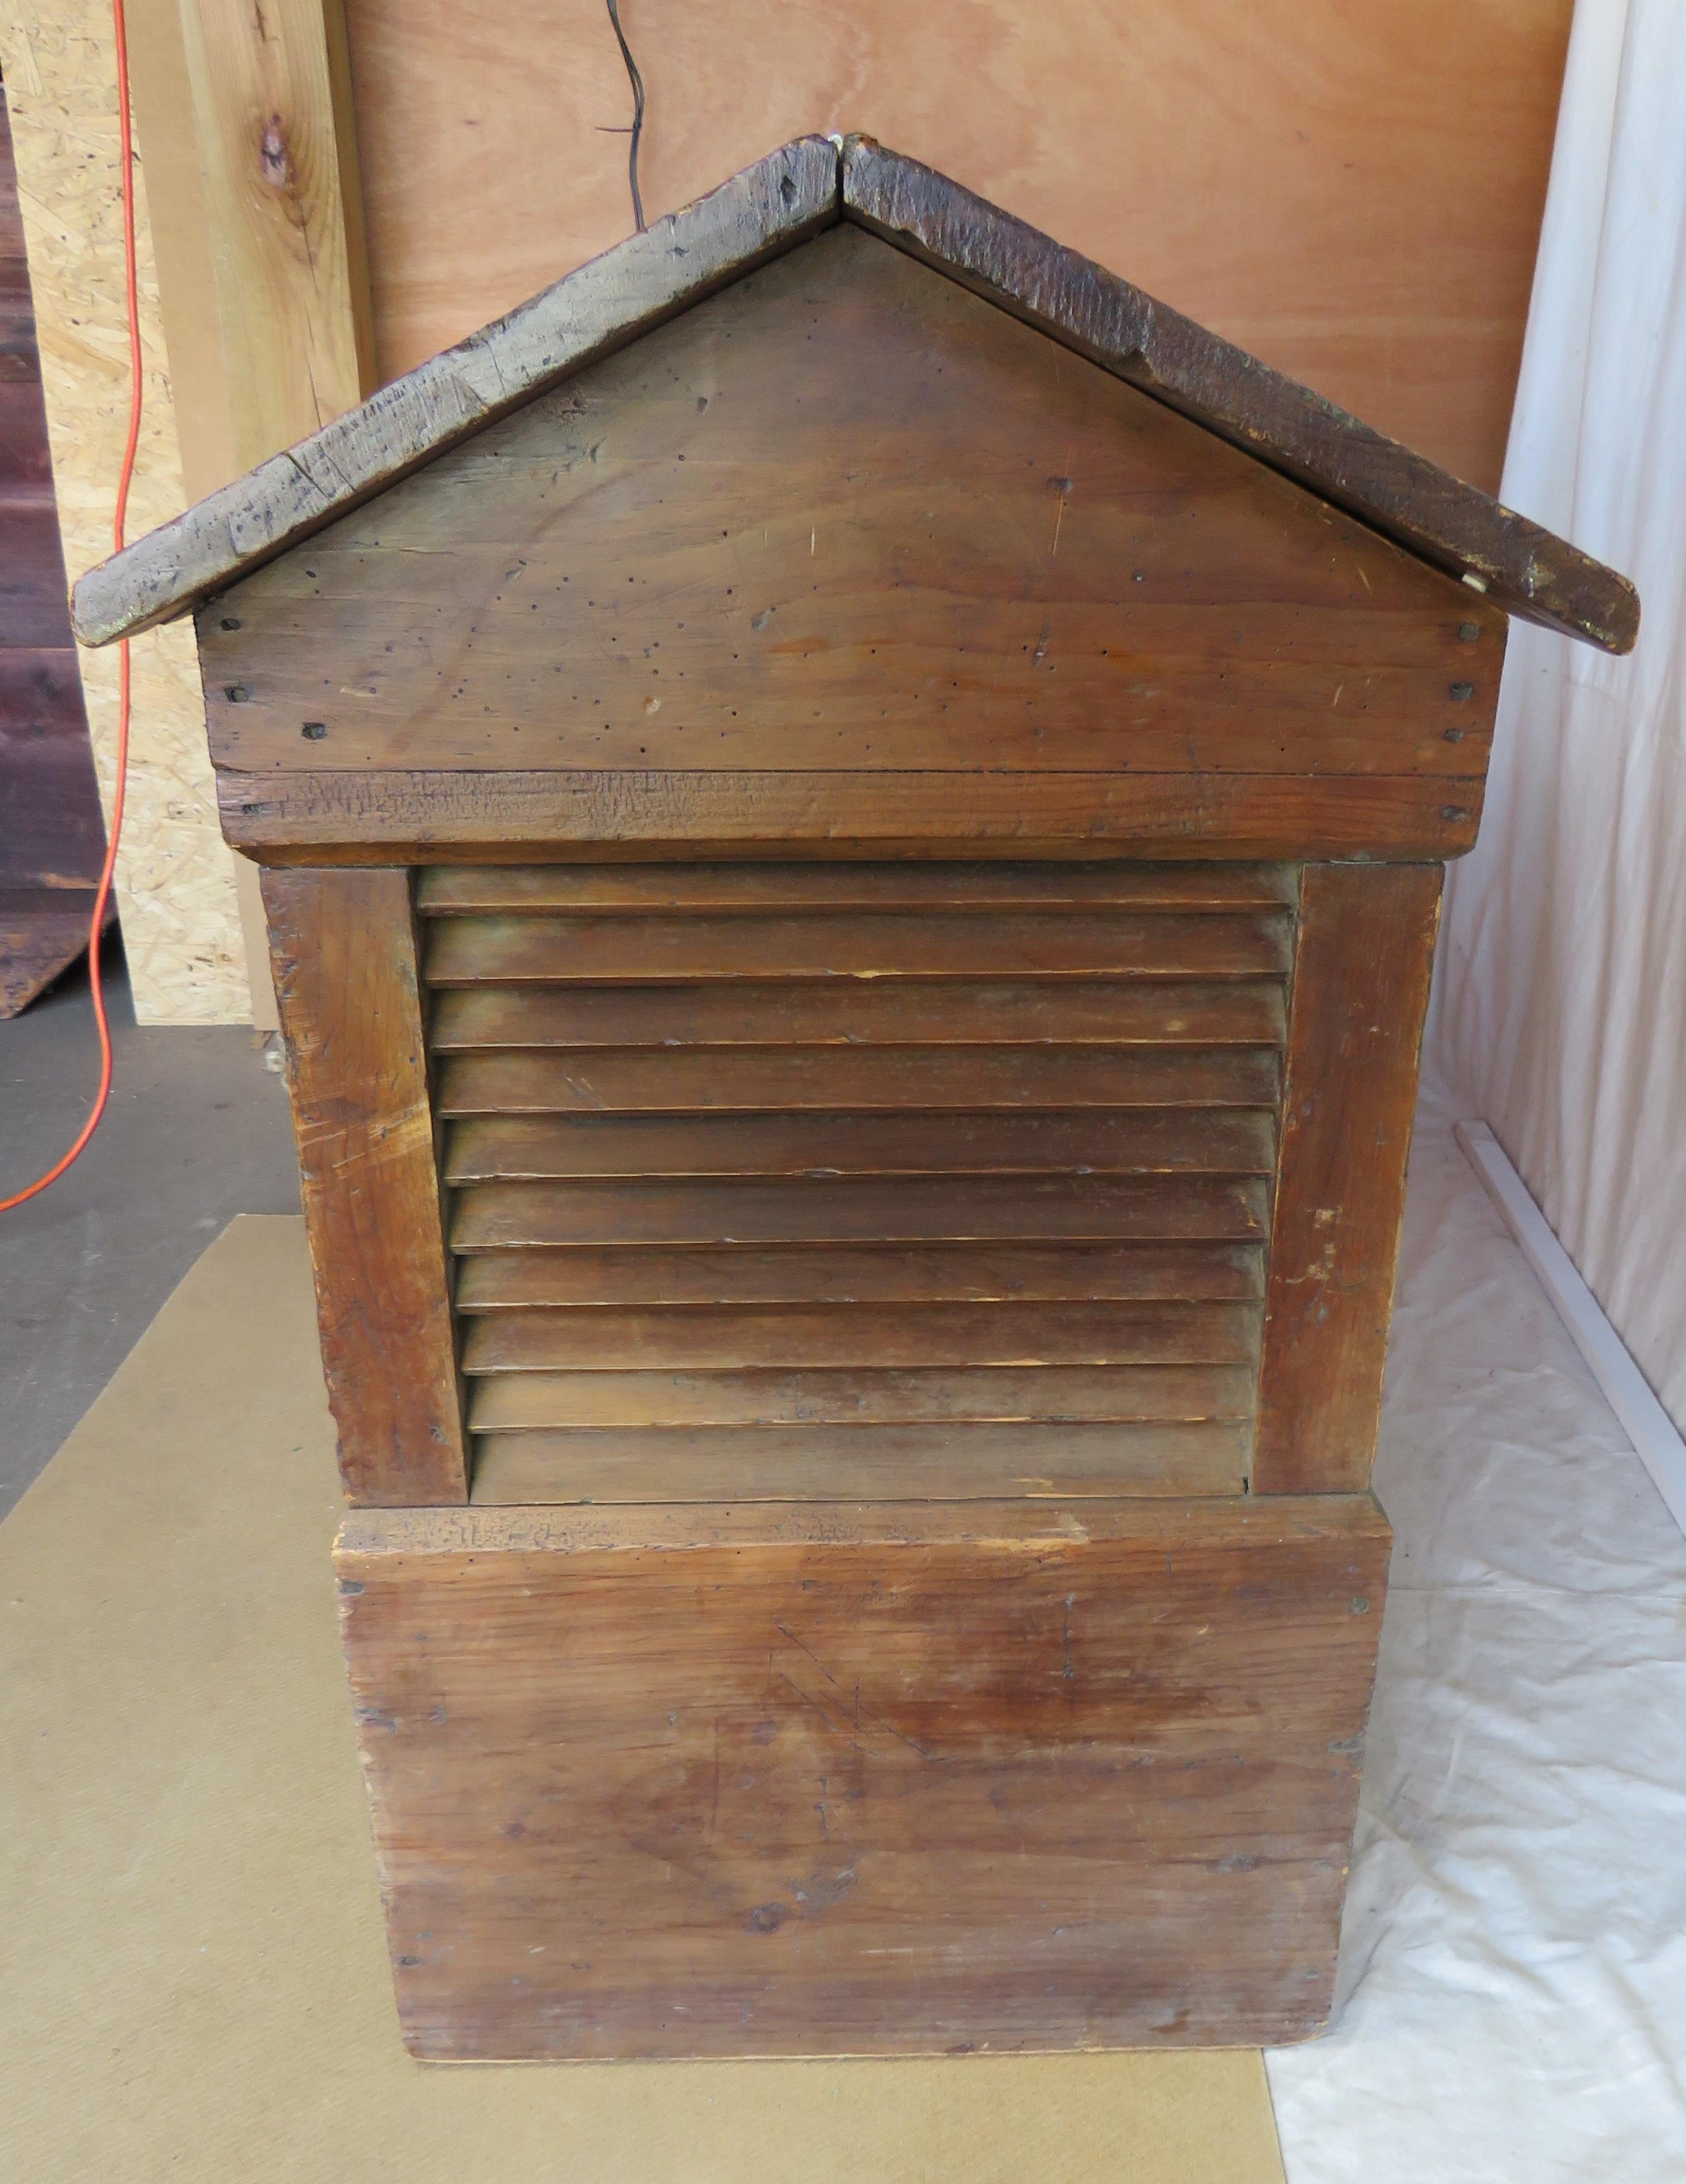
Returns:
point(229, 621)
point(766, 1918)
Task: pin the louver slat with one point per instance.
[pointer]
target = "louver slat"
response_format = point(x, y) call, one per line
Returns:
point(810, 1182)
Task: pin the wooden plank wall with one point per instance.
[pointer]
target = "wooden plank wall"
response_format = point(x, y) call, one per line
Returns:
point(1354, 193)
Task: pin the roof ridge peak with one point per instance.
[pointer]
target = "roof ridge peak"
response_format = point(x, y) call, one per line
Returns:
point(779, 202)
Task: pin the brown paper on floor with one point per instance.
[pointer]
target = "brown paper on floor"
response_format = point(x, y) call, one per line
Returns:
point(192, 1975)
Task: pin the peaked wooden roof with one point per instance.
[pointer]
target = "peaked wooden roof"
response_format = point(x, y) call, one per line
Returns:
point(808, 185)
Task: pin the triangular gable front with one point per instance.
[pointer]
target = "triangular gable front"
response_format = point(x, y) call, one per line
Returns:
point(796, 192)
point(847, 516)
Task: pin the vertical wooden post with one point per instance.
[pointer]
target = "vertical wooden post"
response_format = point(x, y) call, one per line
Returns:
point(245, 122)
point(344, 953)
point(1360, 990)
point(271, 113)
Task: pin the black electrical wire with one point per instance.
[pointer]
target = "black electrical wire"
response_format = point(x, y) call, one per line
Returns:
point(637, 84)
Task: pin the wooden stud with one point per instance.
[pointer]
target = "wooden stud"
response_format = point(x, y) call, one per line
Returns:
point(245, 122)
point(272, 114)
point(343, 949)
point(1360, 991)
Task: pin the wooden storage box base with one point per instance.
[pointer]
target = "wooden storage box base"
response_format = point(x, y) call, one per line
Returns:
point(893, 1778)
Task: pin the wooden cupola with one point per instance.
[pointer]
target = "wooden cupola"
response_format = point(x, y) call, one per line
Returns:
point(853, 816)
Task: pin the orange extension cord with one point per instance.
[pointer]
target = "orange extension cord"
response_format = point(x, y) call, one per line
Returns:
point(126, 139)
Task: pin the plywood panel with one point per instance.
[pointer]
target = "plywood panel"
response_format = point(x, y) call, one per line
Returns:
point(1354, 194)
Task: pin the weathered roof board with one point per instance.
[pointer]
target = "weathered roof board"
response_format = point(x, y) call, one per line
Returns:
point(795, 193)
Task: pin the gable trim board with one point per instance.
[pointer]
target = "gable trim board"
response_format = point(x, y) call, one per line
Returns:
point(794, 193)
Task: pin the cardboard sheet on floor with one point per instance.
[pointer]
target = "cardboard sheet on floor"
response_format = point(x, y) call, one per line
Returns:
point(193, 1977)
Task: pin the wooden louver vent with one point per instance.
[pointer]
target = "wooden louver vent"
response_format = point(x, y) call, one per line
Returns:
point(863, 1180)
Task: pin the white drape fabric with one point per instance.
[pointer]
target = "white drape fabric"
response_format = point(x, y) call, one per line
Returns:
point(1511, 2000)
point(1560, 1005)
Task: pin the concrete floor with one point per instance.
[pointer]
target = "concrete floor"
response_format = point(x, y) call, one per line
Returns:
point(196, 1132)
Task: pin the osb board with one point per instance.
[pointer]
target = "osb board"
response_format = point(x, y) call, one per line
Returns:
point(1352, 193)
point(194, 1978)
point(176, 876)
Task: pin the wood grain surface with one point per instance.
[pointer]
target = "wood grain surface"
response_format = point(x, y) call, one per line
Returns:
point(292, 495)
point(864, 1395)
point(694, 946)
point(995, 1014)
point(444, 890)
point(956, 1776)
point(892, 1209)
point(756, 1078)
point(343, 949)
point(1184, 1141)
point(1527, 569)
point(973, 1462)
point(1360, 992)
point(658, 1229)
point(410, 816)
point(272, 122)
point(846, 517)
point(846, 1337)
point(869, 1273)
